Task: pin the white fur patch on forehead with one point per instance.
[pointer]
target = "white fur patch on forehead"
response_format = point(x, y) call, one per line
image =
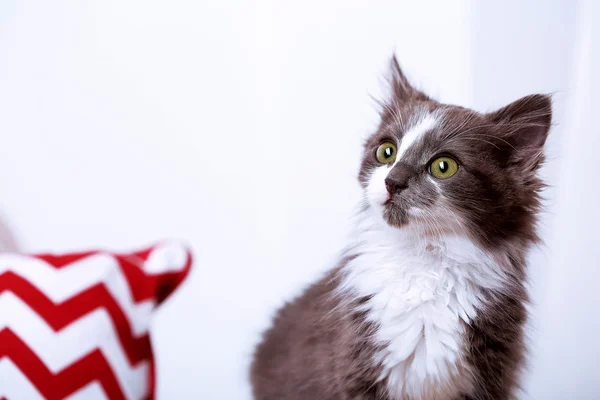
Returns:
point(425, 123)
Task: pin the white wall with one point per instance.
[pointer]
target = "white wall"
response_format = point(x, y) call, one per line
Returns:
point(237, 126)
point(566, 360)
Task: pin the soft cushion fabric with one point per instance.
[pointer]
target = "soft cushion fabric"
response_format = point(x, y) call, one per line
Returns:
point(76, 325)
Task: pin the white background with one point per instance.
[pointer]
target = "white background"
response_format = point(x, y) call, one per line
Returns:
point(237, 126)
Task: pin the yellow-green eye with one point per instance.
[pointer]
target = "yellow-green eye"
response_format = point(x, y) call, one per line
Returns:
point(443, 167)
point(386, 153)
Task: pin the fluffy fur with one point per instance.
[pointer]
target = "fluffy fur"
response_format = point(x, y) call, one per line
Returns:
point(428, 301)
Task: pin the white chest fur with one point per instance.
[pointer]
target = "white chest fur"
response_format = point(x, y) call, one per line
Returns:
point(422, 293)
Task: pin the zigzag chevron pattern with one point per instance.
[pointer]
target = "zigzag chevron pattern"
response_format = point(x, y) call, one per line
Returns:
point(94, 270)
point(58, 316)
point(76, 326)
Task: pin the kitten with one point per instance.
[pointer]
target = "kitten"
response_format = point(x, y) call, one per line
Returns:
point(428, 300)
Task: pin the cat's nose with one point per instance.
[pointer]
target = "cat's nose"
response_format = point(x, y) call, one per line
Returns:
point(395, 186)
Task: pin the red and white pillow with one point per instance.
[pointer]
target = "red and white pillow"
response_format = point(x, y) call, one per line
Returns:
point(76, 325)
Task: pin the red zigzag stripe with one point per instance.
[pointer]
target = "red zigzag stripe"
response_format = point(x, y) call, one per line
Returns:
point(92, 367)
point(143, 286)
point(58, 316)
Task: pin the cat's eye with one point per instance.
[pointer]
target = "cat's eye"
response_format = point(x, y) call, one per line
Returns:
point(443, 167)
point(386, 153)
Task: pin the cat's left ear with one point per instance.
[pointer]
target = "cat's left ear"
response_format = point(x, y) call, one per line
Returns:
point(524, 126)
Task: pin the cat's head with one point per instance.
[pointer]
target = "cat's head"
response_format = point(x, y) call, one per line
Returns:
point(442, 168)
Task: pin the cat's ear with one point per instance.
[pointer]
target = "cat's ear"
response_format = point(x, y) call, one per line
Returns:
point(524, 125)
point(402, 90)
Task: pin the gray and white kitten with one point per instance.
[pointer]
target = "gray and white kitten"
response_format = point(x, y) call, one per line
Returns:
point(428, 300)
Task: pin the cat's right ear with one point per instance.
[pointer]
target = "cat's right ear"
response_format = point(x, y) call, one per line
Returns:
point(402, 90)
